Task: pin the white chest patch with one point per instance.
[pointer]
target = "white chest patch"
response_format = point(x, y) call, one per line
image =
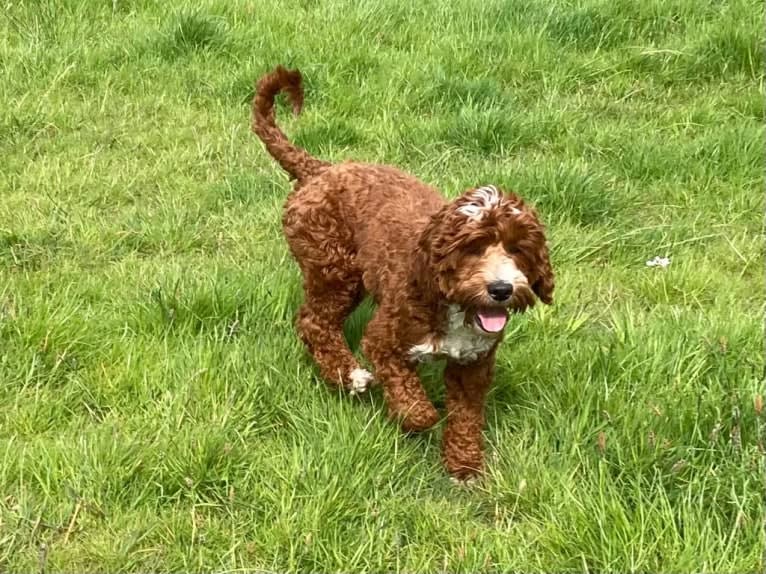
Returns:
point(461, 343)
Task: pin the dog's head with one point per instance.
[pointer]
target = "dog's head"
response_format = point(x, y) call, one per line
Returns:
point(486, 251)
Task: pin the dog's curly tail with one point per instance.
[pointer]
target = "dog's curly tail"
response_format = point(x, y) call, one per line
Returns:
point(294, 160)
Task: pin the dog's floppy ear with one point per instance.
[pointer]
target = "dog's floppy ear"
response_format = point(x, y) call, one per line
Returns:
point(543, 285)
point(437, 245)
point(423, 272)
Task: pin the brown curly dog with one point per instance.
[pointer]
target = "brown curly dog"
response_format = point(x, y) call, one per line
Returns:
point(444, 276)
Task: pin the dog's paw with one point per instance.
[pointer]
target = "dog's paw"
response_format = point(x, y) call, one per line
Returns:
point(466, 482)
point(360, 381)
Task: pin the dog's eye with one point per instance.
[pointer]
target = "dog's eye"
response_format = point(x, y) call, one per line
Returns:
point(511, 249)
point(475, 249)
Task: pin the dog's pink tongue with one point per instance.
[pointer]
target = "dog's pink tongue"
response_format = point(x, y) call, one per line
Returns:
point(492, 320)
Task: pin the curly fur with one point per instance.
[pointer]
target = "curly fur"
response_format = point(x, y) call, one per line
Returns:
point(355, 228)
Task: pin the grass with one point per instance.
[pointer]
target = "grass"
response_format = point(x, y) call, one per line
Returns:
point(159, 413)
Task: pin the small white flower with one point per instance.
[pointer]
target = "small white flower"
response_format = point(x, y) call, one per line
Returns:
point(658, 262)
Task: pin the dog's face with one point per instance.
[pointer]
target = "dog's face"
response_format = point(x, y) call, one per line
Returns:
point(487, 252)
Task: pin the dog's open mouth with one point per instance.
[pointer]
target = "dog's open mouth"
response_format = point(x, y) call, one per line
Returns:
point(491, 319)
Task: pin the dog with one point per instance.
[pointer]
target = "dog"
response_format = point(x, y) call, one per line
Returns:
point(444, 277)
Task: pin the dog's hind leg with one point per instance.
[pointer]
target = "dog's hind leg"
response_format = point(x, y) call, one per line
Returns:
point(320, 326)
point(332, 285)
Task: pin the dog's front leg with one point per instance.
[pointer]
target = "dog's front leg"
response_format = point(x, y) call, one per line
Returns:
point(406, 398)
point(467, 386)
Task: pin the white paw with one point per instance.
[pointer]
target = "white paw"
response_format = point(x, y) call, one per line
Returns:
point(361, 379)
point(465, 482)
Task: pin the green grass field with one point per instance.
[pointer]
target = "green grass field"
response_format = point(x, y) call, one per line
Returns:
point(158, 411)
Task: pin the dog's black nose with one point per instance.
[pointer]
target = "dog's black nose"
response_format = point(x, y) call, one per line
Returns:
point(500, 290)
